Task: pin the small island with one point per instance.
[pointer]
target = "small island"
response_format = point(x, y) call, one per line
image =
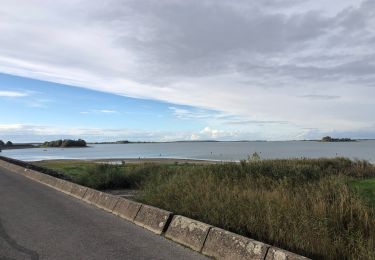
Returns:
point(330, 139)
point(65, 143)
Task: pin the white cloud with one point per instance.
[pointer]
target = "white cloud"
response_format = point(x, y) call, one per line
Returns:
point(100, 111)
point(195, 113)
point(6, 93)
point(212, 133)
point(30, 133)
point(308, 63)
point(106, 111)
point(41, 133)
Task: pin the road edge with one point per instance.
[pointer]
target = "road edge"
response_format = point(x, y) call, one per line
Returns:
point(198, 236)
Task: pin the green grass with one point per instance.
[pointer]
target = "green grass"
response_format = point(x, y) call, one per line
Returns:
point(321, 208)
point(366, 189)
point(70, 168)
point(106, 176)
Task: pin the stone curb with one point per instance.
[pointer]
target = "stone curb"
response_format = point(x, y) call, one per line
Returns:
point(189, 232)
point(277, 253)
point(78, 191)
point(222, 244)
point(127, 209)
point(153, 219)
point(48, 180)
point(91, 196)
point(33, 175)
point(64, 186)
point(210, 241)
point(107, 201)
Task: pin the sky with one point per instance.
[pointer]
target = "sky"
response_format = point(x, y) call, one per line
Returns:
point(169, 70)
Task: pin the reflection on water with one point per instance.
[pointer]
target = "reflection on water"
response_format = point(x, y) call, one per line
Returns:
point(222, 151)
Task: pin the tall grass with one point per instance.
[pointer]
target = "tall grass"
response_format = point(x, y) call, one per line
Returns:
point(308, 206)
point(305, 206)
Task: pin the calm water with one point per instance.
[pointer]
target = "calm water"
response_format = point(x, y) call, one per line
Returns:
point(225, 151)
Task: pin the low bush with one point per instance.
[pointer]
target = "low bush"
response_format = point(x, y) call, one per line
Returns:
point(106, 176)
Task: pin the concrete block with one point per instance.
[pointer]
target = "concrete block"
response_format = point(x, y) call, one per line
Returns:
point(33, 174)
point(3, 164)
point(127, 209)
point(275, 253)
point(48, 180)
point(78, 191)
point(152, 218)
point(188, 232)
point(14, 168)
point(22, 170)
point(67, 187)
point(64, 186)
point(107, 201)
point(221, 244)
point(91, 196)
point(17, 169)
point(7, 166)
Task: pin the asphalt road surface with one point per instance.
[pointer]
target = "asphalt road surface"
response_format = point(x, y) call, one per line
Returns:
point(38, 222)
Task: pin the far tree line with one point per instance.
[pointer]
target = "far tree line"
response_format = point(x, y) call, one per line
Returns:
point(8, 143)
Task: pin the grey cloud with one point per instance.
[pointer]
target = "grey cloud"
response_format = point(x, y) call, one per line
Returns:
point(357, 18)
point(258, 122)
point(195, 38)
point(280, 3)
point(255, 59)
point(200, 40)
point(320, 97)
point(184, 113)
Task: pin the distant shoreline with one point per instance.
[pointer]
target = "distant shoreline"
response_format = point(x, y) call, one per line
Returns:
point(139, 160)
point(89, 144)
point(18, 146)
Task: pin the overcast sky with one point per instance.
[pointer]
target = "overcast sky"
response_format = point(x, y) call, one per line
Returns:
point(236, 69)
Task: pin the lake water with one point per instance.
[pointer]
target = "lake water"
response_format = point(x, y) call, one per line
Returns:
point(221, 151)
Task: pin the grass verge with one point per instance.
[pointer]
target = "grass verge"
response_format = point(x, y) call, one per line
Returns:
point(321, 208)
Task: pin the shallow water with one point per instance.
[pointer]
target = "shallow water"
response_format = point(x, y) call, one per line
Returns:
point(221, 151)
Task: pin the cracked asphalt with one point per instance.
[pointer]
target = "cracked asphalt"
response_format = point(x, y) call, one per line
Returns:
point(38, 222)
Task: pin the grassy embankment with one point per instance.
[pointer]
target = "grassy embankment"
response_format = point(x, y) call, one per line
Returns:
point(321, 208)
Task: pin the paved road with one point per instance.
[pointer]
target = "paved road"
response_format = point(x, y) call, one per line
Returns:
point(37, 222)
